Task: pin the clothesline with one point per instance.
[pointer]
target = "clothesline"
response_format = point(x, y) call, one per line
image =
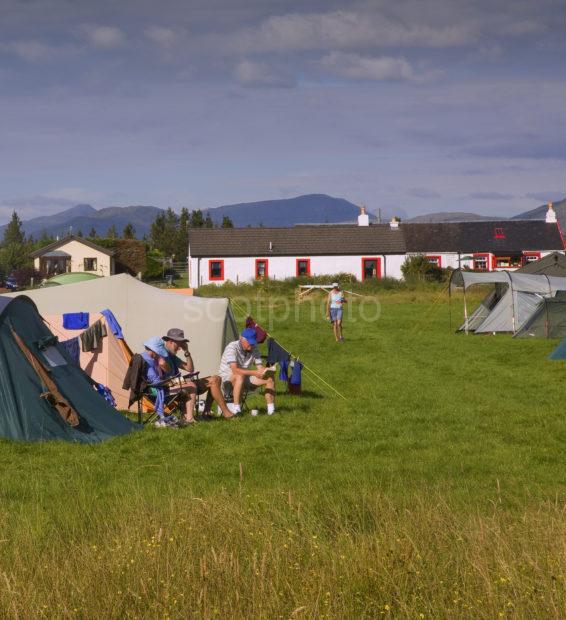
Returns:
point(310, 370)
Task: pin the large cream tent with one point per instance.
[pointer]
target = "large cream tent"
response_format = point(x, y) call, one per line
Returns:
point(144, 311)
point(510, 305)
point(107, 364)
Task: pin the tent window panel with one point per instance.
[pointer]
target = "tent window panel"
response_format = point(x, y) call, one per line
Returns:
point(53, 357)
point(216, 270)
point(90, 264)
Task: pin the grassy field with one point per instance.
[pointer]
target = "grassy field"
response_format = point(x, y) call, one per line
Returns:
point(435, 489)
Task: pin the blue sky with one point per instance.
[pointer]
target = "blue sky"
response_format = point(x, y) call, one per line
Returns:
point(409, 106)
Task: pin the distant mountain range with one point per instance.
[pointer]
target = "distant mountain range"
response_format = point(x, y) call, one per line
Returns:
point(538, 213)
point(308, 209)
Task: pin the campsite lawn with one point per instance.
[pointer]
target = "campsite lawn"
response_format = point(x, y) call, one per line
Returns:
point(436, 488)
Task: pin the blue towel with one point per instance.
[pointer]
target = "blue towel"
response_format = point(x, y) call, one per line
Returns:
point(113, 323)
point(284, 370)
point(106, 394)
point(73, 349)
point(75, 320)
point(296, 374)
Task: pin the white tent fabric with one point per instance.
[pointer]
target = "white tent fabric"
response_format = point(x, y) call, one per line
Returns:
point(517, 304)
point(144, 311)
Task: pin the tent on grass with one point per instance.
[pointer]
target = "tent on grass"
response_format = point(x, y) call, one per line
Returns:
point(43, 395)
point(70, 278)
point(548, 320)
point(553, 264)
point(107, 364)
point(144, 311)
point(514, 300)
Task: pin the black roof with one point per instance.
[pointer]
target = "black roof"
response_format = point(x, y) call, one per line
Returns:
point(57, 244)
point(512, 236)
point(300, 240)
point(484, 236)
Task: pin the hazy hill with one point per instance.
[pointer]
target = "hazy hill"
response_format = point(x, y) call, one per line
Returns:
point(451, 216)
point(308, 209)
point(540, 212)
point(313, 208)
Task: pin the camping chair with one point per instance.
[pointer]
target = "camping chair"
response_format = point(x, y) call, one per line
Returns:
point(143, 393)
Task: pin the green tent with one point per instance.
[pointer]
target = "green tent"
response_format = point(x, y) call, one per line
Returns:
point(70, 278)
point(43, 395)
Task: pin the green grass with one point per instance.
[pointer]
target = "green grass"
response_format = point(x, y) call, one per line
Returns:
point(435, 489)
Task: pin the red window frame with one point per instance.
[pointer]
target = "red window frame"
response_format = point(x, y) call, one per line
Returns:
point(437, 260)
point(210, 276)
point(308, 261)
point(482, 255)
point(378, 266)
point(498, 233)
point(262, 260)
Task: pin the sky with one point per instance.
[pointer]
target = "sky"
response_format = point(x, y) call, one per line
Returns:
point(409, 106)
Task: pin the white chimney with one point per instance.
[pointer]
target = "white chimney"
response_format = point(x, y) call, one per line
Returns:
point(551, 214)
point(363, 217)
point(394, 223)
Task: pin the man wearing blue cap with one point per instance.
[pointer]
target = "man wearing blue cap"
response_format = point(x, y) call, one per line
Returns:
point(235, 365)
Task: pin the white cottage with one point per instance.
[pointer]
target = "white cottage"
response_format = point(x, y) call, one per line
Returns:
point(366, 250)
point(73, 254)
point(246, 254)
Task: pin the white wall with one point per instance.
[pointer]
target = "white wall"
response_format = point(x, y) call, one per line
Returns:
point(242, 269)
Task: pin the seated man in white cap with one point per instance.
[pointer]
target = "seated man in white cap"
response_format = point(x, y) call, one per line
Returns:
point(174, 342)
point(235, 365)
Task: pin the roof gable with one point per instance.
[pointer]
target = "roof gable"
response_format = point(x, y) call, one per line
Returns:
point(57, 244)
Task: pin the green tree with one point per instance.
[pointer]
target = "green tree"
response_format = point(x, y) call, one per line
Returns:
point(183, 234)
point(164, 232)
point(419, 268)
point(13, 233)
point(92, 233)
point(197, 219)
point(227, 222)
point(129, 231)
point(208, 223)
point(79, 233)
point(112, 233)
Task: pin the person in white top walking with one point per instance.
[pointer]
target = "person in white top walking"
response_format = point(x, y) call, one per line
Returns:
point(334, 310)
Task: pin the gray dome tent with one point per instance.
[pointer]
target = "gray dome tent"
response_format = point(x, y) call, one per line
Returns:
point(515, 299)
point(43, 396)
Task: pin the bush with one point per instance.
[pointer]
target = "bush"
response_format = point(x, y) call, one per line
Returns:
point(418, 268)
point(23, 276)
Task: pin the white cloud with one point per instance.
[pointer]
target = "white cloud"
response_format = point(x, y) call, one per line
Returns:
point(105, 37)
point(258, 74)
point(31, 50)
point(164, 37)
point(378, 68)
point(345, 30)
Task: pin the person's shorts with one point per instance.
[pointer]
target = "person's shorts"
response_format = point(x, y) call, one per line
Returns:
point(335, 314)
point(250, 383)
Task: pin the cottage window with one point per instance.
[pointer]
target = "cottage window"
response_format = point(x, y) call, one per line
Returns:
point(261, 268)
point(480, 262)
point(303, 267)
point(532, 257)
point(216, 270)
point(435, 260)
point(90, 264)
point(507, 262)
point(371, 268)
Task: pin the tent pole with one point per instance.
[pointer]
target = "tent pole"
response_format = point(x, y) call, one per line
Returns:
point(465, 312)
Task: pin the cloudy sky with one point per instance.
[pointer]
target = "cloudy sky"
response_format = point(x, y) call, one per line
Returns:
point(409, 105)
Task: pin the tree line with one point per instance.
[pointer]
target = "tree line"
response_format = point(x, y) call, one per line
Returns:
point(169, 235)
